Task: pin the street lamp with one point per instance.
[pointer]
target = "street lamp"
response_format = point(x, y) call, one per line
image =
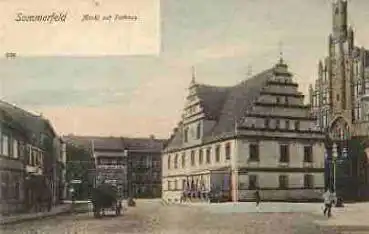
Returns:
point(334, 162)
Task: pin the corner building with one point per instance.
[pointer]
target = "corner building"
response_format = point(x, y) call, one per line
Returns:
point(256, 134)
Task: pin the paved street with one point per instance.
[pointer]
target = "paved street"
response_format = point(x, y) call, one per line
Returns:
point(155, 217)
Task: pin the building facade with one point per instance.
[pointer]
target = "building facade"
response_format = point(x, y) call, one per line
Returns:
point(28, 141)
point(338, 101)
point(144, 171)
point(131, 164)
point(254, 135)
point(12, 169)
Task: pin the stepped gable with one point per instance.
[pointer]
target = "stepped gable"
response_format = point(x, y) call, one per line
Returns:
point(225, 105)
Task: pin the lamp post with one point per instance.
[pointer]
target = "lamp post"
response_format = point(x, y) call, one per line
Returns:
point(334, 162)
point(128, 183)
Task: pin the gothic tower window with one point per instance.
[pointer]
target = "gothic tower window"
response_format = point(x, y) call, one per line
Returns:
point(366, 86)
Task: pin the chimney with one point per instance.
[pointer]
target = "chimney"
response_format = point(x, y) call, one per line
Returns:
point(152, 137)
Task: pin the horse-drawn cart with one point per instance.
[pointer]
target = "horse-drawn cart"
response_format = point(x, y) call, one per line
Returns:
point(105, 198)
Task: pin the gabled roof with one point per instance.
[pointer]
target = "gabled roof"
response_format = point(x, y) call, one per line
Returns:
point(116, 143)
point(33, 124)
point(226, 105)
point(212, 99)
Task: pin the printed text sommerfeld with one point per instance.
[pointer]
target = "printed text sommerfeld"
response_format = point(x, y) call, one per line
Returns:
point(49, 18)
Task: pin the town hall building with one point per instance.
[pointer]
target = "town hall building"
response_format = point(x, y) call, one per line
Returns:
point(233, 140)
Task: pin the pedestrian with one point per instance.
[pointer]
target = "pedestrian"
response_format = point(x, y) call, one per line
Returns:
point(328, 197)
point(257, 197)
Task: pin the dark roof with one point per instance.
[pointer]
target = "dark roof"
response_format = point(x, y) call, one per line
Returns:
point(226, 105)
point(212, 99)
point(117, 143)
point(33, 124)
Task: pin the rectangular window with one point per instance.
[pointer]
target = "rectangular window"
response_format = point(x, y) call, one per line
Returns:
point(176, 161)
point(183, 159)
point(10, 146)
point(208, 154)
point(266, 123)
point(183, 184)
point(254, 152)
point(297, 125)
point(198, 131)
point(284, 154)
point(169, 185)
point(217, 153)
point(201, 157)
point(5, 145)
point(15, 149)
point(308, 181)
point(308, 154)
point(186, 135)
point(228, 151)
point(287, 126)
point(277, 123)
point(192, 158)
point(175, 185)
point(283, 181)
point(253, 182)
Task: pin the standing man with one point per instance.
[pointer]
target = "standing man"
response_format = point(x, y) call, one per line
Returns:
point(328, 197)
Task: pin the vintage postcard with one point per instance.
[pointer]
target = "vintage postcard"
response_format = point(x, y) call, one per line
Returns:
point(173, 116)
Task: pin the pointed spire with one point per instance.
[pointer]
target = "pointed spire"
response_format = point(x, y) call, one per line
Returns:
point(193, 80)
point(281, 52)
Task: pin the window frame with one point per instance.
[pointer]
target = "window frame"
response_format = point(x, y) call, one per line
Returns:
point(283, 181)
point(284, 153)
point(308, 153)
point(254, 154)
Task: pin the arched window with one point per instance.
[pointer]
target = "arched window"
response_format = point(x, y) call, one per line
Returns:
point(340, 129)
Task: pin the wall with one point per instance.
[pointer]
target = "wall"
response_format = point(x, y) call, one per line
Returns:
point(269, 153)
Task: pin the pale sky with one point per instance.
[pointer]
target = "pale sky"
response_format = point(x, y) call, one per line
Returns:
point(143, 95)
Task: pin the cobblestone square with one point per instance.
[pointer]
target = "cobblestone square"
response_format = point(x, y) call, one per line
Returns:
point(153, 216)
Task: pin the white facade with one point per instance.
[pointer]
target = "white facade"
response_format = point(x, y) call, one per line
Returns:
point(255, 135)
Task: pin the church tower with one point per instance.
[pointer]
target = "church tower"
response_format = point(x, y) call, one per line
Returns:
point(340, 50)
